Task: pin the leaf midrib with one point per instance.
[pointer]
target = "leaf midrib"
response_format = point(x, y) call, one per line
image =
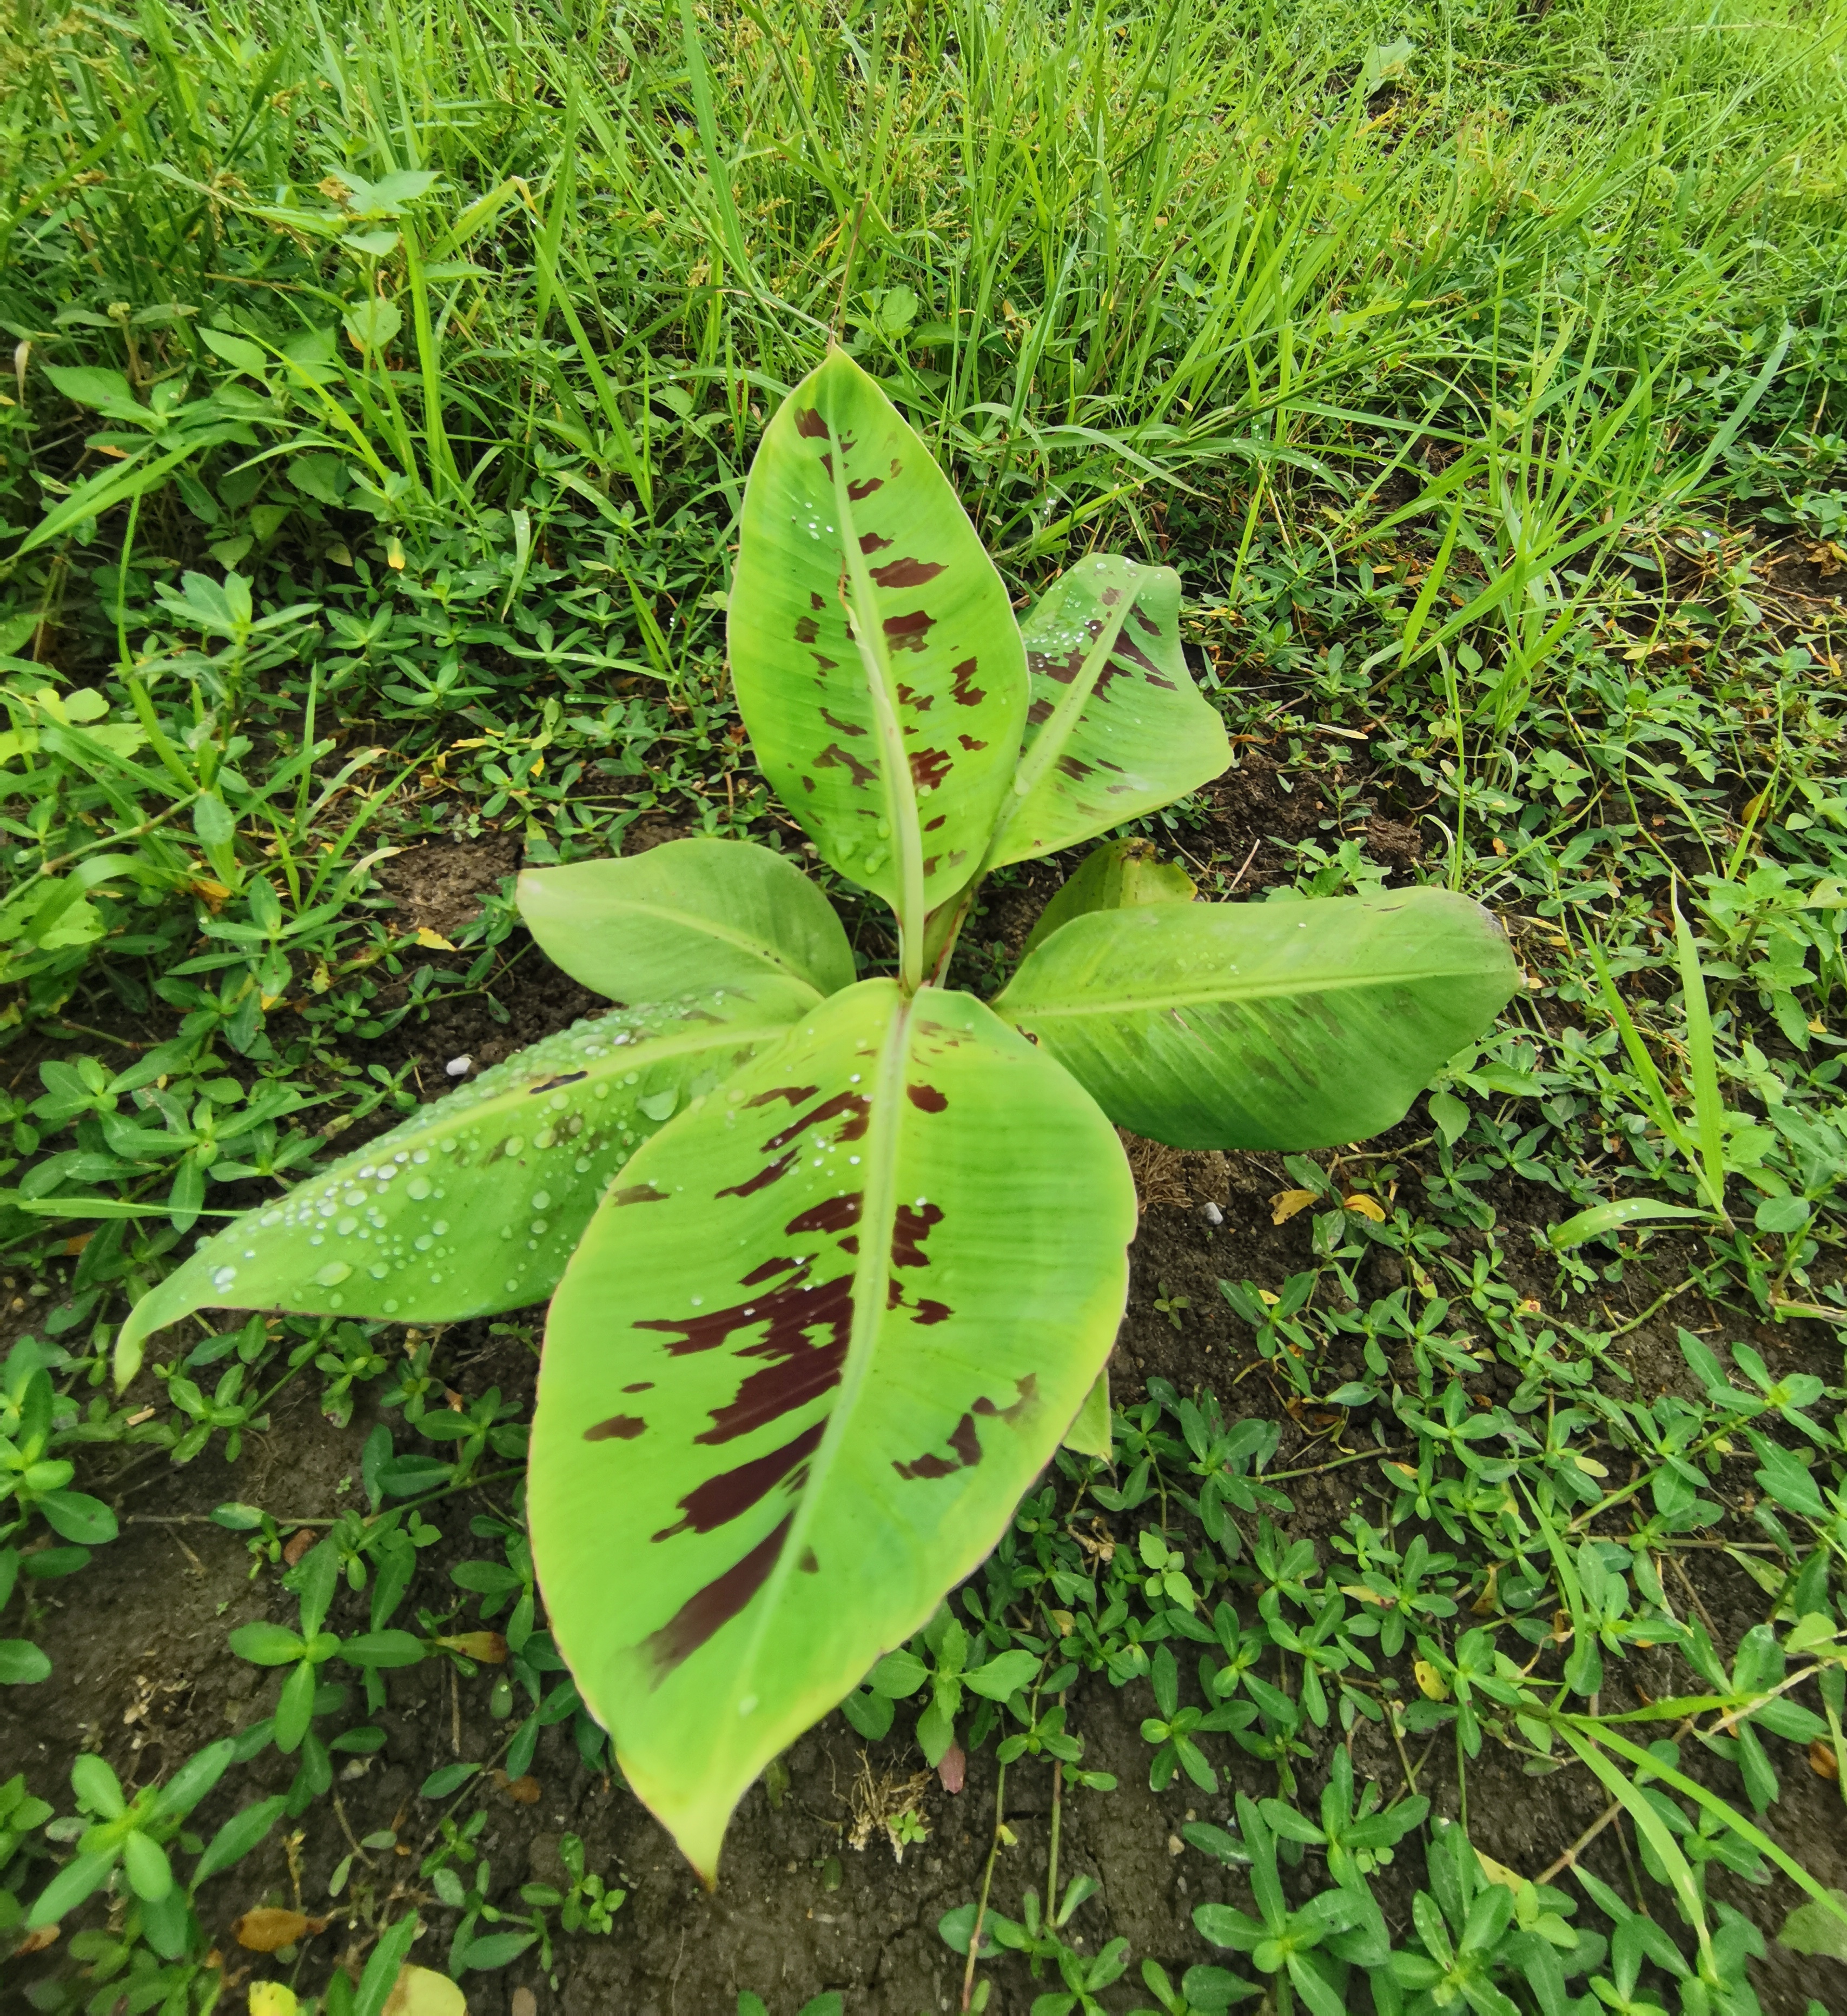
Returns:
point(666, 1048)
point(726, 934)
point(877, 1216)
point(1213, 996)
point(1036, 762)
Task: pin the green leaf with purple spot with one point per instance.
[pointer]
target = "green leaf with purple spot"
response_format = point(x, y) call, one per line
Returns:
point(475, 1203)
point(1116, 726)
point(1263, 1025)
point(801, 1368)
point(876, 658)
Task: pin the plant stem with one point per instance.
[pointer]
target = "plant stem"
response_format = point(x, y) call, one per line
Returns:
point(974, 1933)
point(1057, 1816)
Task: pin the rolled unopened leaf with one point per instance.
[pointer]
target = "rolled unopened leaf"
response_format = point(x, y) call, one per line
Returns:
point(1118, 876)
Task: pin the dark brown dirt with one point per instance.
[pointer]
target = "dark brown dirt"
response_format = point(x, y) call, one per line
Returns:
point(439, 887)
point(139, 1644)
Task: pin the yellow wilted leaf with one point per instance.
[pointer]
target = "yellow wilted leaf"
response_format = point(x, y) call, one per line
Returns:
point(419, 1991)
point(273, 1998)
point(1360, 1593)
point(1589, 1467)
point(1286, 1204)
point(1366, 1207)
point(433, 941)
point(1430, 1683)
point(1499, 1872)
point(267, 1929)
point(488, 1646)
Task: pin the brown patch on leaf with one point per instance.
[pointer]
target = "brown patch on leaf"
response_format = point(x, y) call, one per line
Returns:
point(907, 572)
point(617, 1428)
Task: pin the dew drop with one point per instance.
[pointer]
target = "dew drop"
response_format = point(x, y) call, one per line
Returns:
point(346, 1225)
point(540, 1199)
point(440, 1225)
point(515, 1143)
point(334, 1273)
point(417, 1189)
point(224, 1277)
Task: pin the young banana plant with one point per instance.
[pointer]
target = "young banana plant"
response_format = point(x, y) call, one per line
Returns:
point(835, 1263)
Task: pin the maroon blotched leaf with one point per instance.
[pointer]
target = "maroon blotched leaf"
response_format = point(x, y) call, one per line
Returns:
point(875, 655)
point(1116, 725)
point(784, 1408)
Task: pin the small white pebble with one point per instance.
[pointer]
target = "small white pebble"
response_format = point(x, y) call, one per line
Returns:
point(459, 1066)
point(1213, 1215)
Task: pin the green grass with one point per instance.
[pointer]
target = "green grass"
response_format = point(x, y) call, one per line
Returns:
point(386, 381)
